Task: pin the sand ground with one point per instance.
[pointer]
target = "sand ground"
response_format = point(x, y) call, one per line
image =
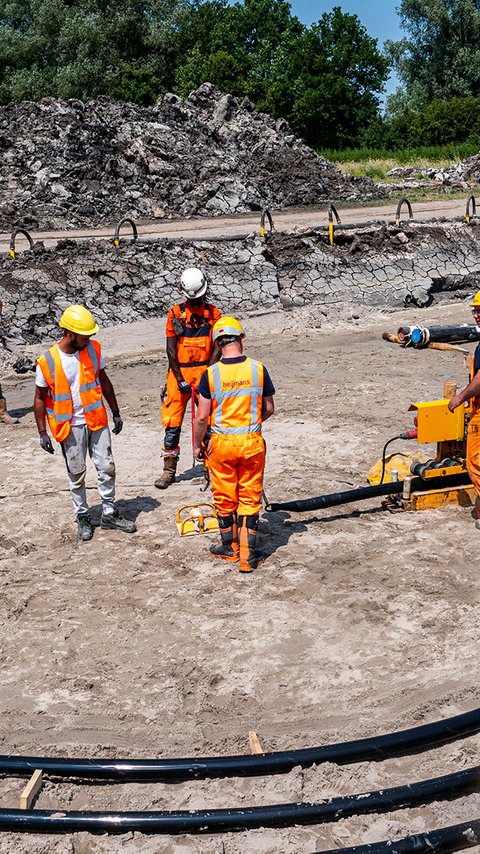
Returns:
point(359, 622)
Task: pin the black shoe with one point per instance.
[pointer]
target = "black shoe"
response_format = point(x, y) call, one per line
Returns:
point(85, 529)
point(115, 521)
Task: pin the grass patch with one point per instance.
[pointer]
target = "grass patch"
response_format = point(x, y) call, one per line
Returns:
point(376, 163)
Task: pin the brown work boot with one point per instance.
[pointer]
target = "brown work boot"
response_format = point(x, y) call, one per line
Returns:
point(228, 549)
point(167, 477)
point(4, 416)
point(249, 557)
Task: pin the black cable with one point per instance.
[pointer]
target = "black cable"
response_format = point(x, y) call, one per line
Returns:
point(453, 838)
point(244, 818)
point(373, 749)
point(384, 454)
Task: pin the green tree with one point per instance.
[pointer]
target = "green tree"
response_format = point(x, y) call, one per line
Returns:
point(82, 48)
point(325, 80)
point(440, 57)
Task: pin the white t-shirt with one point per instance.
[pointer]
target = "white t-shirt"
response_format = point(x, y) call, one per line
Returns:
point(71, 366)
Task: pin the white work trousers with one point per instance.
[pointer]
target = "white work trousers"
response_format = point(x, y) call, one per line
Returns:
point(99, 446)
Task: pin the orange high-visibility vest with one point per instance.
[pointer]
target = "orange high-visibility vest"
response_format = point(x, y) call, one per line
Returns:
point(59, 404)
point(237, 397)
point(194, 344)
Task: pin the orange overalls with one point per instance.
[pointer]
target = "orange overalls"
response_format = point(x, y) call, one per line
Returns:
point(236, 449)
point(192, 327)
point(473, 443)
point(59, 405)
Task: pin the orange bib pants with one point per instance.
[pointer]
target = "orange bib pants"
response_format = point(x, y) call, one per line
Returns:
point(236, 464)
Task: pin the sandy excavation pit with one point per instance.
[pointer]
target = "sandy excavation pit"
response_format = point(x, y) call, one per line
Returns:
point(359, 622)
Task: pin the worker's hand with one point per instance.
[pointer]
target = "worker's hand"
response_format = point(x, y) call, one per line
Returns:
point(454, 402)
point(118, 423)
point(46, 442)
point(199, 454)
point(184, 387)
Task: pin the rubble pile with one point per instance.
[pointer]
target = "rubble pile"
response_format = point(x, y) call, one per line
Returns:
point(70, 163)
point(463, 175)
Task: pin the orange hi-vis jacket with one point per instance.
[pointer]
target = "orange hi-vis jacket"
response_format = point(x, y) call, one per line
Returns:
point(59, 404)
point(194, 343)
point(237, 397)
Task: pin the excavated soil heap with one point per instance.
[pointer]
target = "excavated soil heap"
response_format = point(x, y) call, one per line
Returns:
point(70, 163)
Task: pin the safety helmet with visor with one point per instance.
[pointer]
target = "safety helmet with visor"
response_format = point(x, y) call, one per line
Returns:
point(193, 283)
point(78, 319)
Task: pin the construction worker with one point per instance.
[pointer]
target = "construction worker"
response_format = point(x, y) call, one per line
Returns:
point(235, 398)
point(71, 382)
point(5, 417)
point(190, 350)
point(472, 390)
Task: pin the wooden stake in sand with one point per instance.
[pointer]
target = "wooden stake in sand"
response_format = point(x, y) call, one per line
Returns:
point(254, 742)
point(31, 790)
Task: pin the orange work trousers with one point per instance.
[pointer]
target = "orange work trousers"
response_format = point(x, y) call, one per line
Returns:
point(473, 454)
point(174, 402)
point(236, 465)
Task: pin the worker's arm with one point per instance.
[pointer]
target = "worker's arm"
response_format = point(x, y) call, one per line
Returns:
point(471, 390)
point(39, 408)
point(109, 395)
point(268, 407)
point(173, 359)
point(201, 424)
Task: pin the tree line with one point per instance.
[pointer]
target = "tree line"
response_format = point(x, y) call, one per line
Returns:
point(327, 80)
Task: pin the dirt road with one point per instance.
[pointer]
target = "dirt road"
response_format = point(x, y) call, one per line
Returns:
point(242, 224)
point(358, 623)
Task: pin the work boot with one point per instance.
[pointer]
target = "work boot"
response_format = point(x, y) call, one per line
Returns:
point(168, 475)
point(228, 548)
point(4, 416)
point(85, 528)
point(249, 557)
point(116, 522)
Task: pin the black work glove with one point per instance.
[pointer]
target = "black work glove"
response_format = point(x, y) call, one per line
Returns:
point(118, 423)
point(184, 387)
point(46, 442)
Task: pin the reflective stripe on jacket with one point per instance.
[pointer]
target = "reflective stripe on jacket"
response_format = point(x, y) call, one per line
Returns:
point(237, 397)
point(194, 344)
point(59, 404)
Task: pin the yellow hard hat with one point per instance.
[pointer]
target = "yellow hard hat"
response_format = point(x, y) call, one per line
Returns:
point(226, 327)
point(476, 300)
point(77, 318)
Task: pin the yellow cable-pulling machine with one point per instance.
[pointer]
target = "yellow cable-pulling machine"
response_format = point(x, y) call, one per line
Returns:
point(435, 423)
point(413, 481)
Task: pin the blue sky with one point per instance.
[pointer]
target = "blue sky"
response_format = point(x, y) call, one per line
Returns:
point(379, 17)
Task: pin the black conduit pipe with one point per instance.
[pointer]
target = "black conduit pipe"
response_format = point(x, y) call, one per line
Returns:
point(454, 838)
point(373, 749)
point(322, 502)
point(228, 820)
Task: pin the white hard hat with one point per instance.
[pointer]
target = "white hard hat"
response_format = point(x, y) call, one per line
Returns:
point(193, 283)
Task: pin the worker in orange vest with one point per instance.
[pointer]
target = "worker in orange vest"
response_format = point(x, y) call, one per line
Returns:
point(235, 398)
point(190, 350)
point(472, 390)
point(71, 383)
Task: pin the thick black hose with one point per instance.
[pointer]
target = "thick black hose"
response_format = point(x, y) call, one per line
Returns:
point(462, 332)
point(228, 820)
point(454, 838)
point(322, 502)
point(373, 749)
